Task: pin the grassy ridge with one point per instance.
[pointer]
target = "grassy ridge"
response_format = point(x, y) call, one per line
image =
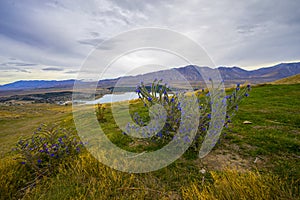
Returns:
point(272, 141)
point(289, 80)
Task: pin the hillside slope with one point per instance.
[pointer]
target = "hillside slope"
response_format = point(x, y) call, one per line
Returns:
point(289, 80)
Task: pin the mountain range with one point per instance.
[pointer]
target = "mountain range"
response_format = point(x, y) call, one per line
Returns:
point(37, 84)
point(230, 75)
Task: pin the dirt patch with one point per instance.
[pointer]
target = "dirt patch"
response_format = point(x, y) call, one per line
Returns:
point(296, 132)
point(266, 127)
point(221, 159)
point(139, 143)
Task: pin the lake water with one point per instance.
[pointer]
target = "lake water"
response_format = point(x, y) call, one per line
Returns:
point(109, 98)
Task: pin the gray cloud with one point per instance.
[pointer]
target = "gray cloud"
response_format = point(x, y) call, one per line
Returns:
point(17, 64)
point(92, 42)
point(53, 69)
point(13, 65)
point(13, 69)
point(72, 72)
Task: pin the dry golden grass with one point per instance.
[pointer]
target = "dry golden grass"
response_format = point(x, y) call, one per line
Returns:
point(288, 80)
point(232, 184)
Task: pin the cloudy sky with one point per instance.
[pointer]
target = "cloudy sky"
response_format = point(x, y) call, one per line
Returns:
point(51, 39)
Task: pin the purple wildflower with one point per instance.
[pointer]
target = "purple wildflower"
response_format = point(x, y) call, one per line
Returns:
point(138, 91)
point(159, 134)
point(186, 138)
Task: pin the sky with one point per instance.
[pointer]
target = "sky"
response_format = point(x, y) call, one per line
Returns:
point(52, 39)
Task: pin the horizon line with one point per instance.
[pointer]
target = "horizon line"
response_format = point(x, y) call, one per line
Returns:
point(226, 66)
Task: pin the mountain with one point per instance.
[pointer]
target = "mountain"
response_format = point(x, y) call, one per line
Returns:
point(278, 71)
point(177, 76)
point(234, 74)
point(190, 73)
point(37, 84)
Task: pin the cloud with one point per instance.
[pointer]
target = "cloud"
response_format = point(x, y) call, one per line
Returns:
point(17, 64)
point(13, 69)
point(72, 72)
point(20, 64)
point(53, 69)
point(92, 42)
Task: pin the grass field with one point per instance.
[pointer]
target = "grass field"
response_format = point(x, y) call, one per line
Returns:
point(253, 161)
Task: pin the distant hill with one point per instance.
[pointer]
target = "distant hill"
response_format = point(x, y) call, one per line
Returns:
point(262, 75)
point(278, 71)
point(255, 76)
point(288, 80)
point(230, 75)
point(37, 84)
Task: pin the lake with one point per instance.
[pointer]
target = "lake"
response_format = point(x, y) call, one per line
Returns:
point(109, 98)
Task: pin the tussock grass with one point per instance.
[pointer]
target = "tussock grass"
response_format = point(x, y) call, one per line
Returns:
point(232, 184)
point(13, 178)
point(86, 178)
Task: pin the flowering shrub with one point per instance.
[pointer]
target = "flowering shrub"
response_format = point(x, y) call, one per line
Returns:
point(160, 94)
point(233, 100)
point(48, 147)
